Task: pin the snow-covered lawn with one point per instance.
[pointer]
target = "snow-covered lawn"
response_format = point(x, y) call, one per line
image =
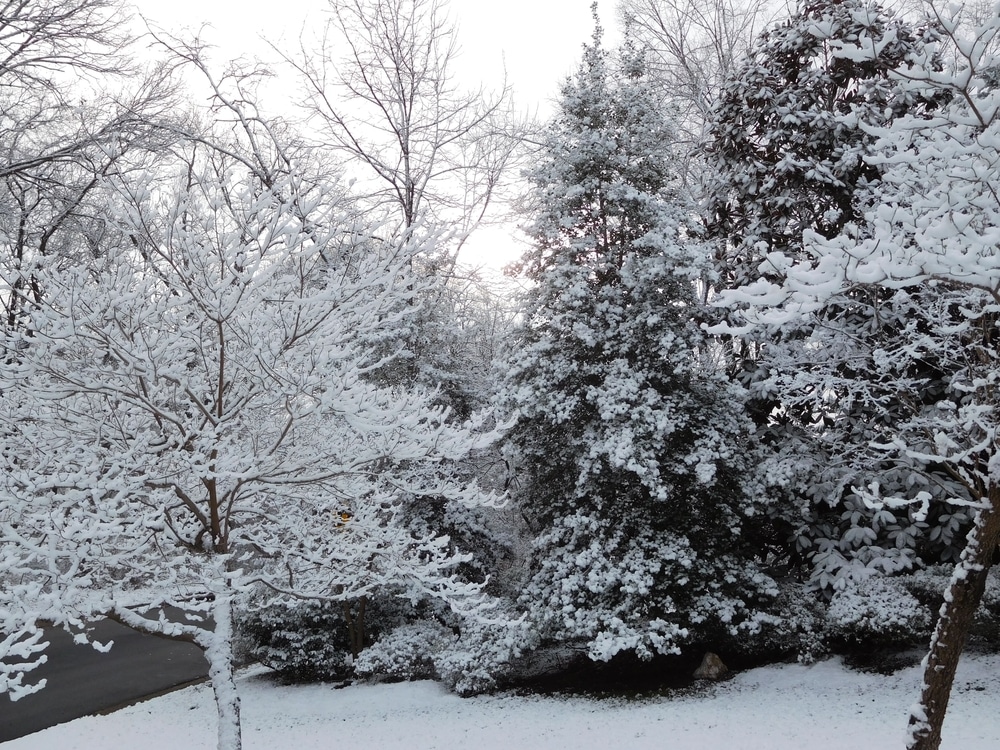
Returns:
point(788, 707)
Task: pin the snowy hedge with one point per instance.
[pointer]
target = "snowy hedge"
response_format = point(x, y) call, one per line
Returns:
point(475, 658)
point(302, 643)
point(878, 611)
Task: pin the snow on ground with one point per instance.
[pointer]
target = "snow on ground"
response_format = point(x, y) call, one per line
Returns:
point(784, 707)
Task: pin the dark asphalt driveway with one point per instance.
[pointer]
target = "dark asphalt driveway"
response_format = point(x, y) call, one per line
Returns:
point(82, 681)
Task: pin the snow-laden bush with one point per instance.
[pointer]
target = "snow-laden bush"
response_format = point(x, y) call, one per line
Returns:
point(474, 657)
point(302, 643)
point(986, 626)
point(794, 625)
point(877, 612)
point(406, 653)
point(928, 585)
point(485, 655)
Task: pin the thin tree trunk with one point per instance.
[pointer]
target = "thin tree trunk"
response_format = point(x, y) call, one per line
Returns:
point(960, 603)
point(360, 628)
point(356, 625)
point(219, 652)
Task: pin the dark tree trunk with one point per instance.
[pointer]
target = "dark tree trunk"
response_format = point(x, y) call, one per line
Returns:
point(961, 601)
point(356, 625)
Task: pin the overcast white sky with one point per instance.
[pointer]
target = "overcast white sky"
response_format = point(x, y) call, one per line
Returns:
point(537, 42)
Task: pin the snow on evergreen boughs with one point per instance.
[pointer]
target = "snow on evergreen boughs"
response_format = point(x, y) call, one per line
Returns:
point(406, 653)
point(302, 642)
point(926, 253)
point(789, 133)
point(629, 444)
point(475, 657)
point(877, 611)
point(795, 143)
point(486, 653)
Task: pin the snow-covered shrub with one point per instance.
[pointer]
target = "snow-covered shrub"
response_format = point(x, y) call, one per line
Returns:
point(302, 643)
point(484, 656)
point(986, 626)
point(406, 653)
point(876, 612)
point(928, 585)
point(474, 657)
point(795, 624)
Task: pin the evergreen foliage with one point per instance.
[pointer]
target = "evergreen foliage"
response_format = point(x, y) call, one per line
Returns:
point(788, 135)
point(792, 132)
point(630, 445)
point(927, 248)
point(301, 643)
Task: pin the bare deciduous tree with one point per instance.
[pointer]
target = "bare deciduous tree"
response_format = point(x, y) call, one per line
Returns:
point(693, 46)
point(69, 114)
point(431, 150)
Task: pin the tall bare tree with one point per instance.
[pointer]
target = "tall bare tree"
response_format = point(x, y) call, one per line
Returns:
point(68, 117)
point(693, 47)
point(431, 149)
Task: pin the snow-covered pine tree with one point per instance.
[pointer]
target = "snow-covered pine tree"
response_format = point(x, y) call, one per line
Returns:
point(629, 445)
point(791, 132)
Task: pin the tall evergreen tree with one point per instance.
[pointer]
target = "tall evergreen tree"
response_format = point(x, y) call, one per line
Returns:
point(629, 443)
point(792, 131)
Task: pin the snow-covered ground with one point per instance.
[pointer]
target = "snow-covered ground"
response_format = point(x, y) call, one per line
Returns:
point(787, 707)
